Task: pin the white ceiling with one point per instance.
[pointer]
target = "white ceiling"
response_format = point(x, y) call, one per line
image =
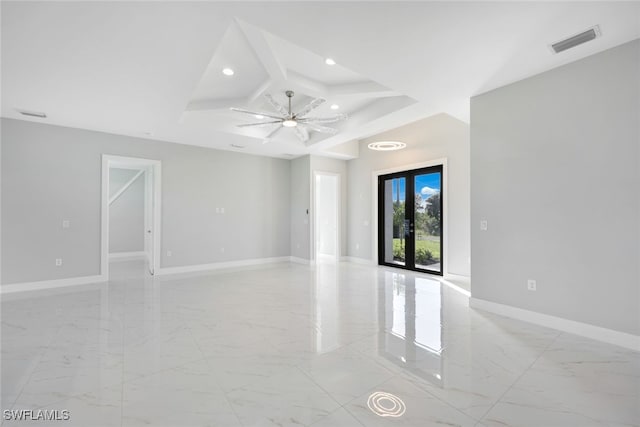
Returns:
point(136, 68)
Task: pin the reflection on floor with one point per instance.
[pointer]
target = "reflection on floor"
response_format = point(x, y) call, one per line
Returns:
point(290, 345)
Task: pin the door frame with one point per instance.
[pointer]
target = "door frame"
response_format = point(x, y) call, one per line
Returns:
point(445, 208)
point(155, 166)
point(313, 213)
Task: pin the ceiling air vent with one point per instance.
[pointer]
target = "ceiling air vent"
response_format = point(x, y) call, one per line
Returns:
point(576, 40)
point(32, 114)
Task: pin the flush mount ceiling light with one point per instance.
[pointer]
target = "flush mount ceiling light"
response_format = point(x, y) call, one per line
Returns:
point(228, 72)
point(387, 145)
point(259, 116)
point(37, 114)
point(335, 106)
point(298, 121)
point(329, 61)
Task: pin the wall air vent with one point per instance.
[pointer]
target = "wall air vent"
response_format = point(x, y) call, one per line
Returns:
point(32, 113)
point(573, 41)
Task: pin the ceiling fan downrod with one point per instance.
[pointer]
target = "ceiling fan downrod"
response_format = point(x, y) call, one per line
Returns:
point(289, 94)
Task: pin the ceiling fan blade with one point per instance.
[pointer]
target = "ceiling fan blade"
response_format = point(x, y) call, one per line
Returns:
point(315, 103)
point(253, 113)
point(273, 133)
point(275, 104)
point(302, 133)
point(320, 128)
point(246, 125)
point(330, 119)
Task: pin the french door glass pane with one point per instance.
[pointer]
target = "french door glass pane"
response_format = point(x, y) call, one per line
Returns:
point(428, 221)
point(395, 221)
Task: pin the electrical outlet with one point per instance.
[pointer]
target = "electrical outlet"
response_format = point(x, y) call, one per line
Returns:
point(357, 246)
point(169, 253)
point(66, 223)
point(222, 250)
point(221, 210)
point(366, 223)
point(58, 262)
point(531, 285)
point(484, 225)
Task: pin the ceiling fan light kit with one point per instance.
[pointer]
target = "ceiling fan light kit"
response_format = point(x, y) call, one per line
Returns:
point(289, 119)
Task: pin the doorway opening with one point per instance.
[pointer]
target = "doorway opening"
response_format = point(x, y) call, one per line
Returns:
point(326, 216)
point(410, 220)
point(130, 211)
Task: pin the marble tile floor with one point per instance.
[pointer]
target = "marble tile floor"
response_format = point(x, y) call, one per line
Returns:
point(293, 345)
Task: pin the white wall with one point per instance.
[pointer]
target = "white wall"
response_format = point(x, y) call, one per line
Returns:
point(555, 170)
point(440, 136)
point(126, 213)
point(51, 173)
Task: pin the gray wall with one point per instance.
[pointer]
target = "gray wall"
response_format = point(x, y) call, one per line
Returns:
point(126, 213)
point(555, 170)
point(300, 207)
point(432, 138)
point(51, 173)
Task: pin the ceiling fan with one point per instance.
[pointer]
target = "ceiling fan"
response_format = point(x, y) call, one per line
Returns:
point(299, 121)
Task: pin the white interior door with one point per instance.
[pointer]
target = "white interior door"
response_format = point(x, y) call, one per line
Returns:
point(326, 216)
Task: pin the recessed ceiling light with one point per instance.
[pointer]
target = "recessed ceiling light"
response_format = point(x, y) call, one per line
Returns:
point(259, 116)
point(387, 145)
point(37, 114)
point(335, 106)
point(228, 72)
point(329, 61)
point(289, 123)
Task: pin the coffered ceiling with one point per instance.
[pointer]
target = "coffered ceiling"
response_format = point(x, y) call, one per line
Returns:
point(154, 69)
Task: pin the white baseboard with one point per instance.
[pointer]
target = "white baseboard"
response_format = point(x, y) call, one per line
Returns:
point(298, 260)
point(219, 265)
point(357, 260)
point(610, 336)
point(125, 256)
point(452, 276)
point(50, 284)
